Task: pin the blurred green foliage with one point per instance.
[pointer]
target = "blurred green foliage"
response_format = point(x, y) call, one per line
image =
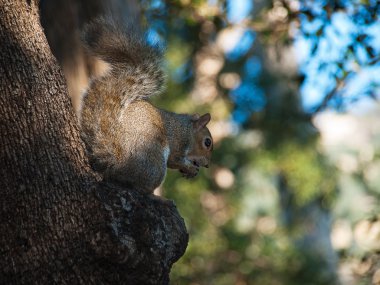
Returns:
point(263, 213)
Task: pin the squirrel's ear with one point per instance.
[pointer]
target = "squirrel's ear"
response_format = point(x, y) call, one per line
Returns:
point(195, 117)
point(202, 121)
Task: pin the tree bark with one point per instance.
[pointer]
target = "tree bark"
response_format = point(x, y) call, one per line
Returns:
point(58, 222)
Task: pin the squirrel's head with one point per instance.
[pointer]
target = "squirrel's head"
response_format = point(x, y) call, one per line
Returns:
point(200, 153)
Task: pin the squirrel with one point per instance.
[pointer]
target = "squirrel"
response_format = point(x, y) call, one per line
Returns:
point(129, 140)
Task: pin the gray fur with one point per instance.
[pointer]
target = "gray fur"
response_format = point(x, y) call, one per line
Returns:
point(129, 140)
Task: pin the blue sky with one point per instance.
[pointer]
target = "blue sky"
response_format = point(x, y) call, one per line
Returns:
point(238, 10)
point(248, 96)
point(321, 68)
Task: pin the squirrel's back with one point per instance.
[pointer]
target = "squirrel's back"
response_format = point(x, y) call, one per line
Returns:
point(120, 128)
point(129, 140)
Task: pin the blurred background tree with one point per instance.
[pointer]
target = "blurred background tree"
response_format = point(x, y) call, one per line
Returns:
point(292, 194)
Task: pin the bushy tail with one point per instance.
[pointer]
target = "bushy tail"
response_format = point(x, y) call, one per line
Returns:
point(131, 58)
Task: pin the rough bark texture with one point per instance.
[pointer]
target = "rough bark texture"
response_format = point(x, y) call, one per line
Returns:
point(58, 224)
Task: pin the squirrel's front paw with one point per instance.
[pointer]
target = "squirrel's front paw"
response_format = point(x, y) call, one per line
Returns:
point(190, 172)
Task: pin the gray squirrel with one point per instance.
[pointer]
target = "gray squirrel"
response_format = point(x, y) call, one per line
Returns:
point(129, 140)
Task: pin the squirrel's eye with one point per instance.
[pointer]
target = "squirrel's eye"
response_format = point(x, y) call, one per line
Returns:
point(208, 142)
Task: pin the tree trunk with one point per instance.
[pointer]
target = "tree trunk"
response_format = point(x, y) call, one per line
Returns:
point(58, 222)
